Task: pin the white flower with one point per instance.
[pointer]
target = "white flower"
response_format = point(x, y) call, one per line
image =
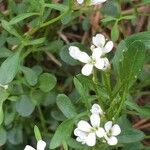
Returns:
point(99, 42)
point(111, 131)
point(90, 61)
point(96, 109)
point(93, 2)
point(80, 1)
point(40, 146)
point(86, 133)
point(96, 2)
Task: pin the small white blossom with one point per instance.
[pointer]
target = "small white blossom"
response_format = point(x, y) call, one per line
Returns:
point(80, 1)
point(40, 146)
point(93, 2)
point(92, 61)
point(111, 131)
point(99, 42)
point(86, 133)
point(96, 109)
point(96, 2)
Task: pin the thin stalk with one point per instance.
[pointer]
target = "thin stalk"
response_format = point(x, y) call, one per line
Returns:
point(42, 119)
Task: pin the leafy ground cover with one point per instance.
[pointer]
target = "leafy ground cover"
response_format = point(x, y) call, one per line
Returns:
point(75, 75)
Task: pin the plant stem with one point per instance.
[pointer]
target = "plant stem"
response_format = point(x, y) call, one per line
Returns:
point(121, 104)
point(42, 119)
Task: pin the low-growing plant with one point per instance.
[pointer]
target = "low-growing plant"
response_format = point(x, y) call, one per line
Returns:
point(47, 99)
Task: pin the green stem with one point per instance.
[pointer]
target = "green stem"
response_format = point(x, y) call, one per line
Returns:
point(42, 119)
point(121, 104)
point(95, 80)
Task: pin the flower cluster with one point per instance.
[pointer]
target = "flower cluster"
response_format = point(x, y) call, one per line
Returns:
point(88, 132)
point(92, 2)
point(40, 146)
point(99, 48)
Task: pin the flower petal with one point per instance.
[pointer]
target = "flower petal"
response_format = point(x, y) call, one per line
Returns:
point(78, 132)
point(100, 132)
point(80, 1)
point(28, 147)
point(74, 52)
point(84, 126)
point(96, 109)
point(100, 63)
point(108, 126)
point(98, 40)
point(41, 145)
point(97, 53)
point(87, 69)
point(106, 64)
point(95, 120)
point(78, 139)
point(91, 139)
point(112, 140)
point(92, 47)
point(115, 130)
point(96, 2)
point(108, 47)
point(84, 57)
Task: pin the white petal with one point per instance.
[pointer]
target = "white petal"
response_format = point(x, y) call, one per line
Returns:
point(80, 1)
point(92, 47)
point(87, 69)
point(78, 139)
point(100, 63)
point(74, 52)
point(84, 57)
point(112, 140)
point(84, 126)
point(97, 53)
point(99, 40)
point(91, 139)
point(108, 126)
point(95, 120)
point(78, 132)
point(106, 64)
point(115, 130)
point(108, 47)
point(41, 145)
point(100, 132)
point(96, 2)
point(28, 147)
point(96, 109)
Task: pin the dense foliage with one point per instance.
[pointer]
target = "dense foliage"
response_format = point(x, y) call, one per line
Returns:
point(44, 94)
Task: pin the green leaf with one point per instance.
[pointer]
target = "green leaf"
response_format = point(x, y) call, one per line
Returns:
point(37, 133)
point(9, 28)
point(35, 42)
point(79, 87)
point(15, 136)
point(9, 68)
point(108, 19)
point(3, 96)
point(47, 82)
point(21, 17)
point(3, 136)
point(24, 106)
point(30, 76)
point(115, 32)
point(4, 52)
point(59, 7)
point(130, 136)
point(66, 106)
point(132, 62)
point(62, 133)
point(124, 45)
